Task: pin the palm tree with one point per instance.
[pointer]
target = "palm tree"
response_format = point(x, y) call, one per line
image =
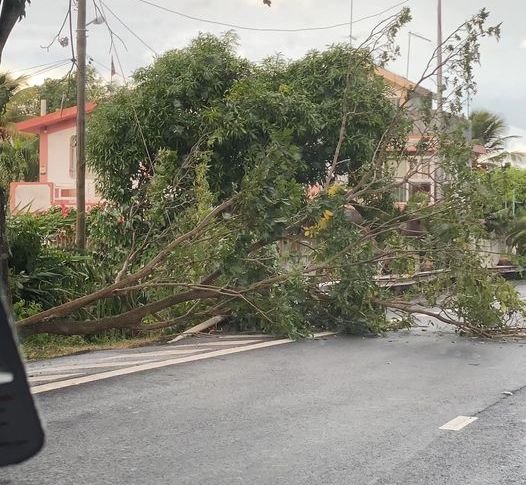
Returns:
point(18, 153)
point(489, 130)
point(9, 86)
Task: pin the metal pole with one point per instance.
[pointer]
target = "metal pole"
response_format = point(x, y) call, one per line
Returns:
point(440, 77)
point(408, 54)
point(440, 83)
point(81, 126)
point(351, 23)
point(418, 36)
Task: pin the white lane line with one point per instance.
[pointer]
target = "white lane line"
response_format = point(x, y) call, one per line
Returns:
point(83, 365)
point(458, 423)
point(160, 353)
point(154, 365)
point(36, 380)
point(219, 343)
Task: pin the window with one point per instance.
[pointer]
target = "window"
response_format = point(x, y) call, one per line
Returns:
point(400, 193)
point(73, 159)
point(416, 188)
point(421, 165)
point(73, 156)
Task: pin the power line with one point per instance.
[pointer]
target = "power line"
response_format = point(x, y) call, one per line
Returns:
point(262, 29)
point(137, 36)
point(61, 61)
point(49, 69)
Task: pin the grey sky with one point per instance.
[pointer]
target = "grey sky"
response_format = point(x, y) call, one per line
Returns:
point(501, 77)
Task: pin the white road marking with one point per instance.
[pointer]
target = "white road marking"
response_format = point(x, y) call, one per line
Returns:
point(219, 343)
point(83, 365)
point(159, 353)
point(154, 365)
point(157, 365)
point(458, 423)
point(35, 380)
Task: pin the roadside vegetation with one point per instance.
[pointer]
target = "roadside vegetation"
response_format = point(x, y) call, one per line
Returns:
point(264, 194)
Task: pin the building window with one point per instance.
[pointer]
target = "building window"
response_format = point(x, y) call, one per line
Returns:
point(421, 166)
point(400, 193)
point(416, 188)
point(73, 156)
point(73, 159)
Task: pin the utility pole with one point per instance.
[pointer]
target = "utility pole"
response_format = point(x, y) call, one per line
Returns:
point(80, 238)
point(440, 77)
point(439, 174)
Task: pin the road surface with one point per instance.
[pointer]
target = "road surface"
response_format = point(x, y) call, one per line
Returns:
point(337, 410)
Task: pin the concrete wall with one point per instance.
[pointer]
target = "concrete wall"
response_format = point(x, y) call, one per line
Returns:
point(32, 197)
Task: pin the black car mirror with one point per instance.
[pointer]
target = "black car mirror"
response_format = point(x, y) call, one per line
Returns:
point(21, 434)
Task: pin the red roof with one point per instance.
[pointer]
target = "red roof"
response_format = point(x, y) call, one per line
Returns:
point(35, 125)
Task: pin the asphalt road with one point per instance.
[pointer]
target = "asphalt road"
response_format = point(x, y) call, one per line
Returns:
point(333, 411)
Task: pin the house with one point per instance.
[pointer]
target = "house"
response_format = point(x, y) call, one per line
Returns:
point(56, 186)
point(421, 163)
point(420, 158)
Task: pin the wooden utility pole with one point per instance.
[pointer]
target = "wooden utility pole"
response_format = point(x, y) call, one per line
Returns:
point(81, 126)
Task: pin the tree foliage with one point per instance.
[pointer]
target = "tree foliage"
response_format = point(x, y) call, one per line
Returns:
point(207, 163)
point(59, 94)
point(206, 92)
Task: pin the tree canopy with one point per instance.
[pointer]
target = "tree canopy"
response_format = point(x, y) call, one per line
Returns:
point(205, 162)
point(59, 93)
point(207, 96)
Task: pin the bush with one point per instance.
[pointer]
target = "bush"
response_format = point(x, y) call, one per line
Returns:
point(42, 274)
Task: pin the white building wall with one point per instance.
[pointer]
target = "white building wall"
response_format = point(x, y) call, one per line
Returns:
point(59, 157)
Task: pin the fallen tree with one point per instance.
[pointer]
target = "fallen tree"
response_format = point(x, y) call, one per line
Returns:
point(244, 199)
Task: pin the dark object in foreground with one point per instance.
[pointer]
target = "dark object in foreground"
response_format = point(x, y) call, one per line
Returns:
point(21, 435)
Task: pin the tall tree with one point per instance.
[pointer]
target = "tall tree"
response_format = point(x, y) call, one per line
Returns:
point(207, 92)
point(178, 249)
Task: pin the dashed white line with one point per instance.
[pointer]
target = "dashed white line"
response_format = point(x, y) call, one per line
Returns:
point(458, 423)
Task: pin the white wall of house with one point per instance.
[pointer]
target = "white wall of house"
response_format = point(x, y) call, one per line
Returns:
point(62, 160)
point(59, 157)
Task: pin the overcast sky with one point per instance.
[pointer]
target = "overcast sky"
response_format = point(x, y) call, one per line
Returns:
point(501, 78)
